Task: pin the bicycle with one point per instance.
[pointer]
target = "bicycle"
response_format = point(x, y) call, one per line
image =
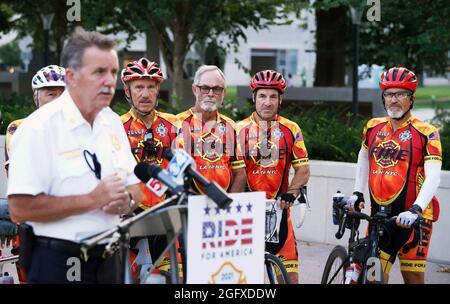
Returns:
point(274, 268)
point(361, 252)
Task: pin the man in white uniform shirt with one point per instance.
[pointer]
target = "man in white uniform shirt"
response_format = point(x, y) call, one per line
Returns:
point(71, 169)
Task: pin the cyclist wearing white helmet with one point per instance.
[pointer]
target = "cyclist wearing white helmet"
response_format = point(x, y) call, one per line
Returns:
point(47, 84)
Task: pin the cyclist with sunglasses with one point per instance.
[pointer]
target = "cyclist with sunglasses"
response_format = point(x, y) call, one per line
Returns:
point(400, 159)
point(47, 84)
point(210, 136)
point(270, 144)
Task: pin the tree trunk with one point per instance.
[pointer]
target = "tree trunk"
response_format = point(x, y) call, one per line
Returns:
point(152, 45)
point(331, 42)
point(179, 53)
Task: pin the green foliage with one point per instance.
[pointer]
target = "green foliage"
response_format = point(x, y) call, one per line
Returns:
point(10, 55)
point(329, 133)
point(442, 121)
point(439, 92)
point(15, 107)
point(412, 33)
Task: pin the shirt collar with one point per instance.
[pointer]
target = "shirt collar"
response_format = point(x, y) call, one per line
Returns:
point(73, 115)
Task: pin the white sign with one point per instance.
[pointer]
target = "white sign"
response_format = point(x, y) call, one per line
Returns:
point(226, 246)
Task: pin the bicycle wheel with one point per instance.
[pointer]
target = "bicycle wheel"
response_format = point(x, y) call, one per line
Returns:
point(275, 270)
point(334, 271)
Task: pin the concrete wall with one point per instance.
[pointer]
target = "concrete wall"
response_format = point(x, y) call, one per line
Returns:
point(326, 178)
point(371, 97)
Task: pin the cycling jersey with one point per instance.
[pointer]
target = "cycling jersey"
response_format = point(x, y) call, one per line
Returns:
point(396, 163)
point(268, 153)
point(212, 145)
point(147, 144)
point(12, 127)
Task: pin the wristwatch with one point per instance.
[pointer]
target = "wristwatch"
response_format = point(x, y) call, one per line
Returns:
point(132, 202)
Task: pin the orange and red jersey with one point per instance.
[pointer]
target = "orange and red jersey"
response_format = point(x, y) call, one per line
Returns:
point(269, 151)
point(396, 162)
point(147, 144)
point(212, 145)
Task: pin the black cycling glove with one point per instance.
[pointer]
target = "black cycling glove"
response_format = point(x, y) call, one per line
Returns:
point(287, 197)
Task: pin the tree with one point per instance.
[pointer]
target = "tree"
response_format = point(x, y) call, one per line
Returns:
point(181, 23)
point(24, 17)
point(10, 55)
point(414, 33)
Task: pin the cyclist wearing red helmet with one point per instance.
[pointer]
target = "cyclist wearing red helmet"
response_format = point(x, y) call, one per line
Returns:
point(270, 145)
point(400, 159)
point(149, 131)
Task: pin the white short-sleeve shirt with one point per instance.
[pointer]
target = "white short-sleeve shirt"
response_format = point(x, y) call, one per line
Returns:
point(47, 156)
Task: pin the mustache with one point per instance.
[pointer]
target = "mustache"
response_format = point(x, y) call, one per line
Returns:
point(106, 90)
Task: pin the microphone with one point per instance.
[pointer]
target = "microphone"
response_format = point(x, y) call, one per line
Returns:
point(152, 175)
point(181, 161)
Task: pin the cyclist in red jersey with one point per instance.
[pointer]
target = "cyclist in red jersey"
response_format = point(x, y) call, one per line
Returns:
point(400, 159)
point(149, 132)
point(209, 136)
point(270, 145)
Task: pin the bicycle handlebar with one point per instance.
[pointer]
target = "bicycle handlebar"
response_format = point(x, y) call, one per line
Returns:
point(379, 218)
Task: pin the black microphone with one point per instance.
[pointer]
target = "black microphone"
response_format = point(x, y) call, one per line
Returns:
point(213, 190)
point(146, 171)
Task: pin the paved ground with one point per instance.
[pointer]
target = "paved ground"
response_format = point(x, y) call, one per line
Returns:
point(314, 255)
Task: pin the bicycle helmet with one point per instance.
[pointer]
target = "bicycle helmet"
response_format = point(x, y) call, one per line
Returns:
point(268, 79)
point(49, 76)
point(141, 68)
point(398, 77)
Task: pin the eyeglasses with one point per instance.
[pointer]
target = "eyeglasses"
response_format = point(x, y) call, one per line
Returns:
point(206, 90)
point(95, 166)
point(398, 95)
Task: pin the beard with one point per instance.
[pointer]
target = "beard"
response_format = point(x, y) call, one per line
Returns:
point(395, 114)
point(210, 105)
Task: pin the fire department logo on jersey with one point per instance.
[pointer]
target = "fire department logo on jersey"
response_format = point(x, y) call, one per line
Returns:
point(277, 134)
point(405, 136)
point(221, 128)
point(209, 147)
point(161, 130)
point(388, 153)
point(264, 154)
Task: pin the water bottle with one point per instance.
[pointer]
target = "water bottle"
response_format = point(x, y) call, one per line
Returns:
point(155, 278)
point(349, 273)
point(6, 279)
point(337, 197)
point(356, 271)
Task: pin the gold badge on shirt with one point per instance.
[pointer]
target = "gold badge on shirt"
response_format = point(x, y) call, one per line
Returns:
point(115, 142)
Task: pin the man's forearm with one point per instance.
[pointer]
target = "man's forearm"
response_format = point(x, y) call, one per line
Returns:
point(300, 179)
point(45, 208)
point(239, 180)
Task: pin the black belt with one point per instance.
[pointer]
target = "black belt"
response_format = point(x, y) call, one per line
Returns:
point(70, 248)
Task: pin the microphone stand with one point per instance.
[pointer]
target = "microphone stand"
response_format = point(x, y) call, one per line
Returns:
point(120, 239)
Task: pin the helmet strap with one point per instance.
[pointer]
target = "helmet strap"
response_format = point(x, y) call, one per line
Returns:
point(130, 101)
point(36, 99)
